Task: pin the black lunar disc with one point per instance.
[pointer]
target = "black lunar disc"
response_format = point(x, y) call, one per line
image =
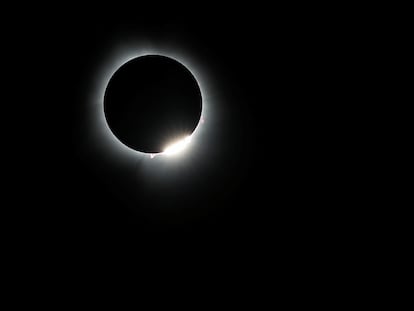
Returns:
point(151, 101)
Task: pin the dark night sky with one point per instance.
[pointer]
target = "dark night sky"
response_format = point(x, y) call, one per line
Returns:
point(266, 186)
point(283, 196)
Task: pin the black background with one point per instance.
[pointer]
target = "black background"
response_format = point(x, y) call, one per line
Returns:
point(298, 207)
point(274, 184)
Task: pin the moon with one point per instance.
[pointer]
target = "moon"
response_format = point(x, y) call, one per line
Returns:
point(151, 102)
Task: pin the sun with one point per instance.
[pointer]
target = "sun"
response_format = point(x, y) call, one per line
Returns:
point(177, 146)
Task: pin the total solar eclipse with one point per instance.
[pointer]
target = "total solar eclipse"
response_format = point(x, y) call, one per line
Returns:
point(151, 102)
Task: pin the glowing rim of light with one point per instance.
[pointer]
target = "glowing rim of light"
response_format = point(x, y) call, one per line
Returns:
point(118, 62)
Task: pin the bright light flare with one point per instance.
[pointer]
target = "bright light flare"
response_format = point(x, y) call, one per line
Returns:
point(177, 147)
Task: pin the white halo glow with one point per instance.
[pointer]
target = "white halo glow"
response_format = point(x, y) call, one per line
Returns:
point(159, 168)
point(100, 124)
